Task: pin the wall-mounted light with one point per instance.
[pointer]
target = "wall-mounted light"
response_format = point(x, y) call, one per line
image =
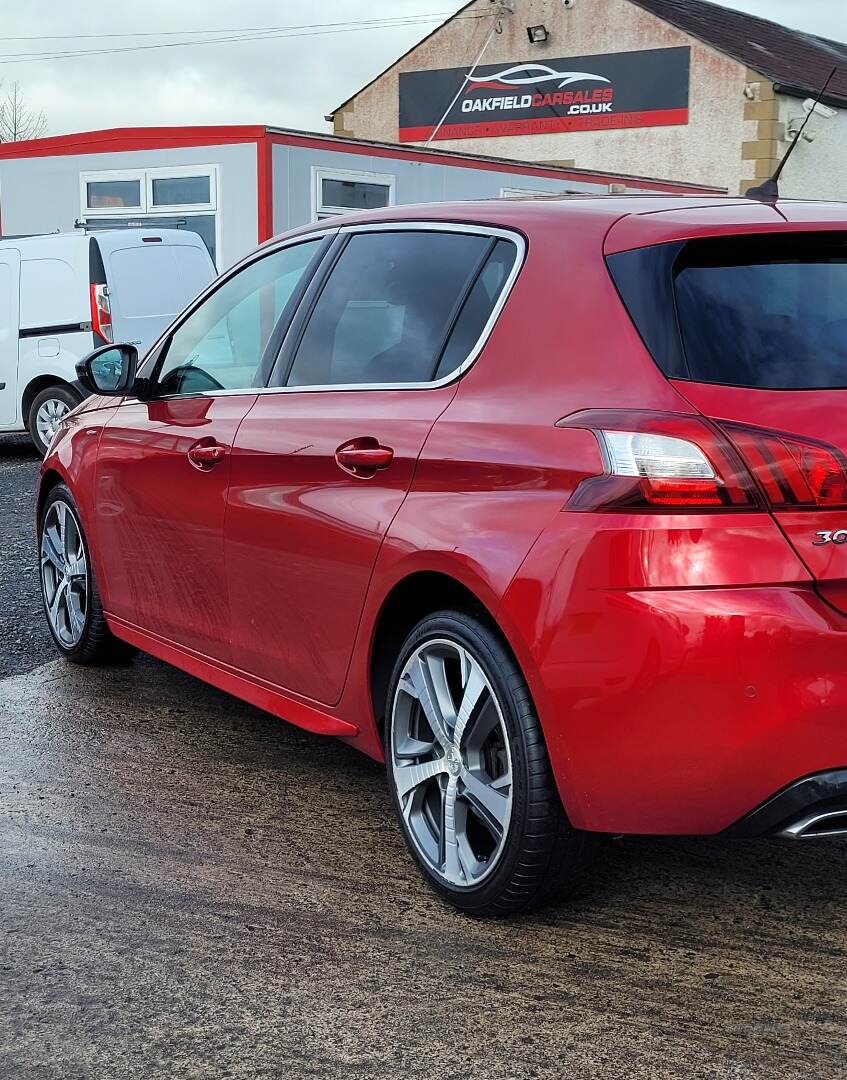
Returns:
point(537, 34)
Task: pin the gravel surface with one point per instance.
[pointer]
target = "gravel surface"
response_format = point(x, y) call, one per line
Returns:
point(191, 889)
point(24, 639)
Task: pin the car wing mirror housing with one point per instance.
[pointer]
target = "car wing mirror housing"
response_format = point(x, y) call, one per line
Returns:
point(110, 370)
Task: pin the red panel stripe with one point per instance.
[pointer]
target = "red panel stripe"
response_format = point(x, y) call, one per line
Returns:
point(544, 125)
point(264, 180)
point(121, 139)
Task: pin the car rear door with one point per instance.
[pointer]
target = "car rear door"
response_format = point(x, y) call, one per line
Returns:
point(324, 459)
point(164, 462)
point(10, 267)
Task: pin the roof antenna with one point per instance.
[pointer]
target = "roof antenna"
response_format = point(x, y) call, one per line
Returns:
point(769, 190)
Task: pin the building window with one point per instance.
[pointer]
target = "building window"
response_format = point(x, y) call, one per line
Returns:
point(164, 198)
point(180, 190)
point(113, 194)
point(339, 191)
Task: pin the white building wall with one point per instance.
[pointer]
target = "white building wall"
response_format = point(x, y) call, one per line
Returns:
point(815, 169)
point(42, 194)
point(707, 150)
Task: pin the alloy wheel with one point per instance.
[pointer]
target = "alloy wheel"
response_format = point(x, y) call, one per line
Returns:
point(64, 574)
point(451, 763)
point(50, 414)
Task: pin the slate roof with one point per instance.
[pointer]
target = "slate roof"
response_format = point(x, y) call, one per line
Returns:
point(798, 63)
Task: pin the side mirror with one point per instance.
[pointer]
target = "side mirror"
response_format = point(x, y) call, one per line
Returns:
point(109, 370)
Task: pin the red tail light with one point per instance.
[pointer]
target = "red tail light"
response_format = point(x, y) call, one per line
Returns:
point(101, 312)
point(661, 461)
point(793, 473)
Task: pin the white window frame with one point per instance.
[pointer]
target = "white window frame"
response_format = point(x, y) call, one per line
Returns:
point(166, 173)
point(322, 172)
point(146, 176)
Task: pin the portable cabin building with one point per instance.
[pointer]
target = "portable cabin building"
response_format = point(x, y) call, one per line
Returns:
point(238, 185)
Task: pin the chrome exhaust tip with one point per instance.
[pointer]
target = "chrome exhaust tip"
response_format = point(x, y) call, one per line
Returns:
point(816, 826)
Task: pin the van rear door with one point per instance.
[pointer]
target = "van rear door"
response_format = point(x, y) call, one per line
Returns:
point(151, 276)
point(10, 269)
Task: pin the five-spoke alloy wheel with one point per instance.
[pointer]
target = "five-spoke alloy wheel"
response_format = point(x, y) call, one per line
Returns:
point(68, 586)
point(469, 773)
point(64, 574)
point(451, 763)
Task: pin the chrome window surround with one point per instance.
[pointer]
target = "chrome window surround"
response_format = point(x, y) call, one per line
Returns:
point(382, 226)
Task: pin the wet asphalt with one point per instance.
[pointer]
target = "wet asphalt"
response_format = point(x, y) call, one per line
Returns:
point(190, 888)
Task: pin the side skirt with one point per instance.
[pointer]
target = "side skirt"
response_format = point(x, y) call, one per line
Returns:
point(233, 681)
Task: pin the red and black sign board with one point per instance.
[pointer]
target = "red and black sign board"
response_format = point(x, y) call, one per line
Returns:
point(575, 93)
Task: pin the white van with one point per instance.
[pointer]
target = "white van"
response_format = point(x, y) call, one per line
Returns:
point(64, 294)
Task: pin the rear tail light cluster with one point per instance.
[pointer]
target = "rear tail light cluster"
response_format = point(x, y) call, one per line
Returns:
point(663, 461)
point(101, 312)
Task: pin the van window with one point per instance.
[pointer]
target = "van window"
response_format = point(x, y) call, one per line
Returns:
point(387, 307)
point(156, 279)
point(51, 294)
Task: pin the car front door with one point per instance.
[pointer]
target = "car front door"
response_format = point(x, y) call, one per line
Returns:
point(325, 458)
point(164, 460)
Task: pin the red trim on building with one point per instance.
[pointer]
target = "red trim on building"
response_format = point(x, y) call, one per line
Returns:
point(264, 180)
point(119, 140)
point(545, 125)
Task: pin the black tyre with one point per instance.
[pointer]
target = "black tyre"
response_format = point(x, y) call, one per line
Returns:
point(47, 411)
point(469, 773)
point(68, 589)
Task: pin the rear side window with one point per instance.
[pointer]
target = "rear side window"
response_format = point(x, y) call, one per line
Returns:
point(767, 312)
point(390, 304)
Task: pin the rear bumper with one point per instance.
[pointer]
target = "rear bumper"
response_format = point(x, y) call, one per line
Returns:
point(681, 710)
point(812, 808)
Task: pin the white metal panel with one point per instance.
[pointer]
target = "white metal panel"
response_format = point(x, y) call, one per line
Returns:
point(9, 291)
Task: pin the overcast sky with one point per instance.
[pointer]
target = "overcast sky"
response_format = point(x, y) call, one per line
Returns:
point(286, 82)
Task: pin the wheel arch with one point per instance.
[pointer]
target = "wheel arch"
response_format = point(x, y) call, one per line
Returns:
point(50, 478)
point(34, 387)
point(411, 599)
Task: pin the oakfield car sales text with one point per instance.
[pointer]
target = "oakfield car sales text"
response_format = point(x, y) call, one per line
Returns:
point(578, 101)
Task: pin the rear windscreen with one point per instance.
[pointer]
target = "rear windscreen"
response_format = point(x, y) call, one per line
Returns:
point(761, 311)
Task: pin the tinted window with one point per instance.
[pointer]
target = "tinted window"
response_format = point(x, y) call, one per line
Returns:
point(220, 345)
point(765, 311)
point(478, 307)
point(104, 194)
point(181, 190)
point(386, 310)
point(353, 194)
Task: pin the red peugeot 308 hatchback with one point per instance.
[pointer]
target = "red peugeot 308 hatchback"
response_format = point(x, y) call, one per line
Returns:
point(544, 502)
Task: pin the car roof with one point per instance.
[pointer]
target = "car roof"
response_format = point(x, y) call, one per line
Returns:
point(649, 218)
